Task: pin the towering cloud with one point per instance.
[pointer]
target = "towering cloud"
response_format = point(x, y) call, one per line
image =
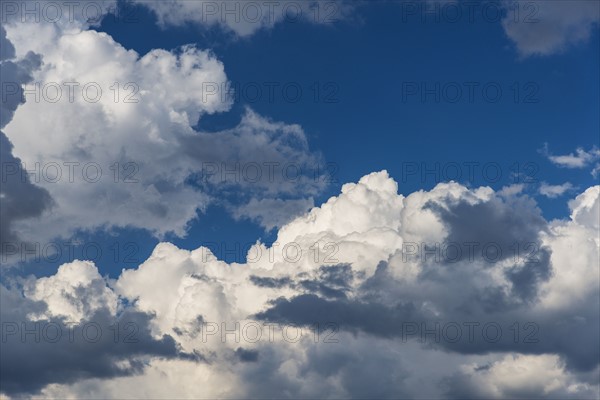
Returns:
point(453, 292)
point(387, 288)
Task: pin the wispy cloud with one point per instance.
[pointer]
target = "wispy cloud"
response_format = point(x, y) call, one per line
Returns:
point(553, 191)
point(580, 159)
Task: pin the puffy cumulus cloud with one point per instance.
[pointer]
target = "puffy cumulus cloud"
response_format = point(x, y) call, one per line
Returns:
point(575, 246)
point(395, 314)
point(43, 342)
point(549, 27)
point(585, 209)
point(108, 131)
point(245, 18)
point(75, 291)
point(119, 138)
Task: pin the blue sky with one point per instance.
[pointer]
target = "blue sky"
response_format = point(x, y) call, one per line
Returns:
point(507, 101)
point(361, 106)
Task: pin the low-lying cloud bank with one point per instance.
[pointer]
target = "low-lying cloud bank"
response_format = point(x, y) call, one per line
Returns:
point(371, 294)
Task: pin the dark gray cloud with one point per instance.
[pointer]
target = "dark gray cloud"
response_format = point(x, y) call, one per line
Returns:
point(503, 221)
point(351, 315)
point(14, 73)
point(364, 370)
point(268, 282)
point(37, 353)
point(246, 355)
point(499, 229)
point(19, 198)
point(461, 330)
point(332, 281)
point(7, 50)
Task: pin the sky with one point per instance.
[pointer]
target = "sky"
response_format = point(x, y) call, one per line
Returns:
point(411, 187)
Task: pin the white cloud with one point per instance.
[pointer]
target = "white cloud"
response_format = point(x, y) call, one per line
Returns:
point(245, 18)
point(354, 265)
point(549, 27)
point(585, 208)
point(512, 190)
point(75, 292)
point(374, 284)
point(151, 139)
point(106, 132)
point(519, 376)
point(580, 159)
point(553, 191)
